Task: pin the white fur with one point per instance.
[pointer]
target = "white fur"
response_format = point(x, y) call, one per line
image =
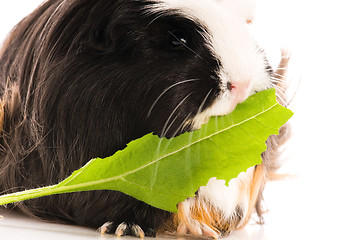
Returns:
point(230, 42)
point(243, 8)
point(228, 198)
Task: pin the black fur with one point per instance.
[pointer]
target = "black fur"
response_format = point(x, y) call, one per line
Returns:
point(79, 79)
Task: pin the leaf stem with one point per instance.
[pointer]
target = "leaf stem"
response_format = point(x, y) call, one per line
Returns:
point(28, 194)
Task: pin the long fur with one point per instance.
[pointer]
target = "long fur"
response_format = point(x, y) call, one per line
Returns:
point(76, 84)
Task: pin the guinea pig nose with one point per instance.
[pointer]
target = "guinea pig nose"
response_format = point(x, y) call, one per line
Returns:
point(239, 90)
point(230, 86)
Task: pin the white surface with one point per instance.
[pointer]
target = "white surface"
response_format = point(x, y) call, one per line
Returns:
point(323, 201)
point(18, 227)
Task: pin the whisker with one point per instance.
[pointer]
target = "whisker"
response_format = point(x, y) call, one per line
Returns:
point(287, 57)
point(170, 125)
point(280, 90)
point(216, 123)
point(278, 82)
point(166, 90)
point(189, 154)
point(203, 102)
point(281, 84)
point(230, 117)
point(279, 79)
point(178, 129)
point(197, 118)
point(186, 46)
point(279, 87)
point(282, 101)
point(159, 15)
point(282, 98)
point(182, 125)
point(158, 147)
point(281, 68)
point(166, 127)
point(280, 75)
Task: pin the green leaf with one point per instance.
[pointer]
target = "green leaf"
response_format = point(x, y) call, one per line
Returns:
point(163, 172)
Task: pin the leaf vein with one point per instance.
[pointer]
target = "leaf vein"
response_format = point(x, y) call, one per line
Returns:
point(197, 141)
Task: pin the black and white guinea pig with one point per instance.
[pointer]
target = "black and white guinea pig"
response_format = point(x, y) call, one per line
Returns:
point(82, 78)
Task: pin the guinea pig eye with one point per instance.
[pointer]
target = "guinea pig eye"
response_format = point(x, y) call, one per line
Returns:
point(177, 39)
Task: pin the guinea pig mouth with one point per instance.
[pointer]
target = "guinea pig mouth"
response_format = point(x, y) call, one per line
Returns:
point(227, 102)
point(239, 92)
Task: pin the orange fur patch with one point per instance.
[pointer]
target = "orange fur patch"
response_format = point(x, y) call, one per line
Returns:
point(257, 184)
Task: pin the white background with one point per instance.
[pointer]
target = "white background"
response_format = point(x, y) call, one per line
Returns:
point(322, 201)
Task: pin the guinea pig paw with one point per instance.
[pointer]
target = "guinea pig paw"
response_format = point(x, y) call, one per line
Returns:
point(107, 228)
point(197, 228)
point(122, 229)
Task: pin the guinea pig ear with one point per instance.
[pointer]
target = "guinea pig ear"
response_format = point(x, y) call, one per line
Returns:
point(245, 9)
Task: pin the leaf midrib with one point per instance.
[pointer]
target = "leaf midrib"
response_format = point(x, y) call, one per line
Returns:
point(122, 177)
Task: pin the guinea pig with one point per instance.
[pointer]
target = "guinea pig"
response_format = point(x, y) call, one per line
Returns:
point(82, 78)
